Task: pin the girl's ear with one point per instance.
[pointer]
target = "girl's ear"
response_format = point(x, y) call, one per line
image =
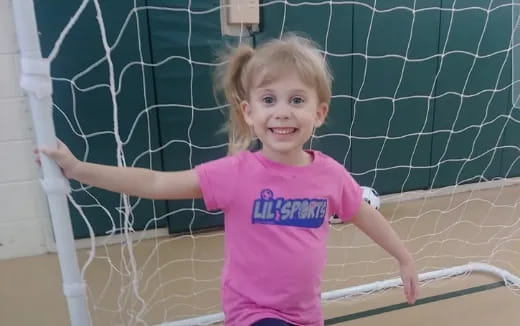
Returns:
point(321, 114)
point(246, 112)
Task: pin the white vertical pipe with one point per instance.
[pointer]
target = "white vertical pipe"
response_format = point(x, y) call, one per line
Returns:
point(36, 81)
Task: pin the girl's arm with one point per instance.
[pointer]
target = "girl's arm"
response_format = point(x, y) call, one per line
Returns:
point(137, 182)
point(374, 225)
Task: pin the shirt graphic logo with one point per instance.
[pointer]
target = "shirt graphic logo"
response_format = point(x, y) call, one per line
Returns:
point(302, 212)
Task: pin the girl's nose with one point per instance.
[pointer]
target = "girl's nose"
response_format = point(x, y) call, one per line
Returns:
point(282, 116)
point(282, 113)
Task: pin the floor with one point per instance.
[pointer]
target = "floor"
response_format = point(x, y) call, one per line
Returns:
point(175, 278)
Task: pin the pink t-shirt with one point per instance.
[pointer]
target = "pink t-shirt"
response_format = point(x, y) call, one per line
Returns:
point(276, 225)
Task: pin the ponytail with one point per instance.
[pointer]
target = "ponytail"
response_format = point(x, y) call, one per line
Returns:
point(233, 82)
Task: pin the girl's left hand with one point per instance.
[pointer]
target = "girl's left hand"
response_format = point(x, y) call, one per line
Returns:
point(410, 281)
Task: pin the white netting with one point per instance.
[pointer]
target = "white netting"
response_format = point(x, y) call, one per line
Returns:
point(422, 110)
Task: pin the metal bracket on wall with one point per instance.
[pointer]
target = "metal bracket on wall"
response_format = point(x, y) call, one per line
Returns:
point(239, 17)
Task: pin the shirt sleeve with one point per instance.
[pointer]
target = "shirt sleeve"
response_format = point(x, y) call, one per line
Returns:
point(351, 197)
point(217, 181)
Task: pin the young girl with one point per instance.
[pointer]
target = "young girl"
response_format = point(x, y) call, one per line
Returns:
point(276, 200)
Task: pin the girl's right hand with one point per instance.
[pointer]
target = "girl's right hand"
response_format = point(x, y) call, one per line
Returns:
point(62, 156)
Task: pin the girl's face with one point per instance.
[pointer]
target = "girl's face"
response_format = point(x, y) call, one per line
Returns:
point(283, 114)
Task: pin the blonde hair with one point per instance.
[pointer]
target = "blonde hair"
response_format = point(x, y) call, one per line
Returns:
point(269, 61)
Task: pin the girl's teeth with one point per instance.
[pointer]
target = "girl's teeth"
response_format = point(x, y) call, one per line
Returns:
point(283, 131)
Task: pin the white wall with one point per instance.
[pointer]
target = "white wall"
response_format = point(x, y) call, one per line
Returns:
point(24, 217)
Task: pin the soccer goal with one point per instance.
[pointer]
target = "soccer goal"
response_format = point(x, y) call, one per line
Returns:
point(424, 110)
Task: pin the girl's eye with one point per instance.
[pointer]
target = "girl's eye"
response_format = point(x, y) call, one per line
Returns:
point(268, 99)
point(297, 100)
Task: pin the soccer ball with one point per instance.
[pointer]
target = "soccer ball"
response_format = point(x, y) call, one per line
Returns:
point(371, 196)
